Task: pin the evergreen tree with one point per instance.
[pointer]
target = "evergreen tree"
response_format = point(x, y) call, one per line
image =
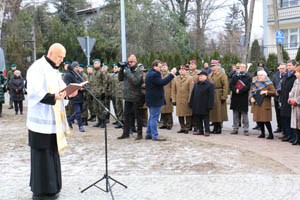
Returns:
point(215, 55)
point(255, 52)
point(285, 54)
point(272, 62)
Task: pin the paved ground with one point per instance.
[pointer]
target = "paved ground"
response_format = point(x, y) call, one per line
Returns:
point(184, 167)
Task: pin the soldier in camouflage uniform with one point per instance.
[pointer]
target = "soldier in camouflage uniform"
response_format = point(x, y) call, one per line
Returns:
point(108, 94)
point(99, 87)
point(84, 113)
point(117, 95)
point(90, 70)
point(10, 75)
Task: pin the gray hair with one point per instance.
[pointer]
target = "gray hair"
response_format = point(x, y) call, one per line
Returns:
point(17, 71)
point(262, 72)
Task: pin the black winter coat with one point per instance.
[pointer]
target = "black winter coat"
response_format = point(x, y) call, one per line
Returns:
point(286, 86)
point(277, 83)
point(202, 98)
point(17, 83)
point(240, 101)
point(71, 78)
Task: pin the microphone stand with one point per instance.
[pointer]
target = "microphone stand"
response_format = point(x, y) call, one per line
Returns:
point(106, 177)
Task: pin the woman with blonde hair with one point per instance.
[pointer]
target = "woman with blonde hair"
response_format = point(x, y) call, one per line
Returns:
point(260, 96)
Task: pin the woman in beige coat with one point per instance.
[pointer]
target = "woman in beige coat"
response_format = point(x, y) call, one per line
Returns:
point(294, 100)
point(181, 93)
point(262, 88)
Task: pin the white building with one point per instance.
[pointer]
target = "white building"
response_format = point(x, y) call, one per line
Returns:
point(289, 23)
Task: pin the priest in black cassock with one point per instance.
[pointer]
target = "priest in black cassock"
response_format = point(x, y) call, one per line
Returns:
point(46, 122)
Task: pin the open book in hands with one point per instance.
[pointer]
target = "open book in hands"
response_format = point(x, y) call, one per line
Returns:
point(72, 87)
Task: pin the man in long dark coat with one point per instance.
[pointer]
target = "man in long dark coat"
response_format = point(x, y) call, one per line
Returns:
point(201, 102)
point(240, 86)
point(285, 108)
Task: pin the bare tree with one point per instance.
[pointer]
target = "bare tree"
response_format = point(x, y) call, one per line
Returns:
point(204, 11)
point(2, 9)
point(180, 7)
point(245, 13)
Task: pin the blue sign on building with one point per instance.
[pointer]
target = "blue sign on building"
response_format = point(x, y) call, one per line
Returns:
point(279, 37)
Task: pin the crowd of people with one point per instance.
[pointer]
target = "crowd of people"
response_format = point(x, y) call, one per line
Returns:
point(200, 97)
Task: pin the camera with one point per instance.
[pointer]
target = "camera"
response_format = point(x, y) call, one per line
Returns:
point(123, 65)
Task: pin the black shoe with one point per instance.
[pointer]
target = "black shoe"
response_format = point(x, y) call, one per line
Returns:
point(98, 124)
point(16, 113)
point(297, 140)
point(21, 113)
point(181, 131)
point(163, 127)
point(84, 122)
point(92, 119)
point(159, 139)
point(133, 129)
point(10, 107)
point(270, 137)
point(219, 128)
point(102, 125)
point(286, 139)
point(186, 132)
point(119, 126)
point(235, 132)
point(115, 123)
point(169, 127)
point(256, 127)
point(278, 130)
point(123, 137)
point(107, 121)
point(45, 196)
point(261, 136)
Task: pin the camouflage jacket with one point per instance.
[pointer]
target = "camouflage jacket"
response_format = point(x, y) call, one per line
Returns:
point(99, 83)
point(117, 86)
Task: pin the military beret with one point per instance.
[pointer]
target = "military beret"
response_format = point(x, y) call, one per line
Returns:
point(90, 66)
point(81, 65)
point(67, 63)
point(105, 64)
point(96, 60)
point(193, 61)
point(214, 62)
point(182, 67)
point(115, 64)
point(13, 65)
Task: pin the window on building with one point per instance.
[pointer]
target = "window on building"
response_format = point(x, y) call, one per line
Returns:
point(293, 35)
point(288, 3)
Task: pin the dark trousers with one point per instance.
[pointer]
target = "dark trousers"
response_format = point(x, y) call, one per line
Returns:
point(167, 119)
point(262, 127)
point(287, 126)
point(77, 113)
point(200, 120)
point(0, 108)
point(185, 123)
point(278, 117)
point(18, 106)
point(130, 109)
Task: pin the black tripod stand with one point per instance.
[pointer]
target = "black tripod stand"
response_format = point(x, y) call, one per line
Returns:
point(106, 177)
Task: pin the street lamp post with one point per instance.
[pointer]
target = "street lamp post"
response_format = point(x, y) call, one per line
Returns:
point(123, 30)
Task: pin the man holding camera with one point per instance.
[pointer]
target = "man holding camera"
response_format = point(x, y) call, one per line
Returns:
point(132, 76)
